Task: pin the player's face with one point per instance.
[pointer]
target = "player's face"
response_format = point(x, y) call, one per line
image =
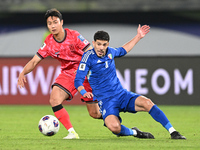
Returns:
point(100, 47)
point(54, 25)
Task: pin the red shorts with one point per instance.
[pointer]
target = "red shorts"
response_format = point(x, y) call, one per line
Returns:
point(88, 88)
point(67, 84)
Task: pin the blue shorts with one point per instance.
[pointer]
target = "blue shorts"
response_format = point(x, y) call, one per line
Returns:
point(123, 102)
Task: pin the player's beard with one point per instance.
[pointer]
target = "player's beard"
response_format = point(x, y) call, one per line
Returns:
point(100, 53)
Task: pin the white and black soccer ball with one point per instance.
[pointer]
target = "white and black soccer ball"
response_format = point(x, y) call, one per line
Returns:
point(49, 125)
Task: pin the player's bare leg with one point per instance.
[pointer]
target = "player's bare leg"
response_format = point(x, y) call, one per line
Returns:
point(113, 124)
point(93, 110)
point(144, 104)
point(56, 98)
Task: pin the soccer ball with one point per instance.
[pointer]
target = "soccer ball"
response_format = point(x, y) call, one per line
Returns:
point(49, 125)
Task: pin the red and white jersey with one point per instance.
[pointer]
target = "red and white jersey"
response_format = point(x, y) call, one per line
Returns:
point(69, 51)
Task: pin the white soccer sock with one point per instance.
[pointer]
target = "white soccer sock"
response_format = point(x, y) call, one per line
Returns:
point(71, 129)
point(134, 132)
point(171, 130)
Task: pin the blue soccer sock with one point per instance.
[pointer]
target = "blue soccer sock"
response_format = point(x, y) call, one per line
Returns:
point(160, 117)
point(125, 131)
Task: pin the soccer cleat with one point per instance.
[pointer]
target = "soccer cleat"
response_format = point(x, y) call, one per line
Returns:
point(177, 135)
point(72, 135)
point(144, 135)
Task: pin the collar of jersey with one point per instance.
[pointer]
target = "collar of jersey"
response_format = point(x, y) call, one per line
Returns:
point(62, 39)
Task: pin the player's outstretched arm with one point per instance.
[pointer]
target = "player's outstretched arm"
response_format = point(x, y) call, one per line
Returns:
point(28, 68)
point(141, 32)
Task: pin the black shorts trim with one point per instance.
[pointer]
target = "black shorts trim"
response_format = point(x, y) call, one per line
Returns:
point(89, 102)
point(64, 89)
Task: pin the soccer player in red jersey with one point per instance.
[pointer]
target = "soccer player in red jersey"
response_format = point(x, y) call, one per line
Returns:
point(67, 46)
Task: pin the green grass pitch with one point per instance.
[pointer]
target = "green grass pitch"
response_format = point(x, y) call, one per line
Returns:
point(19, 130)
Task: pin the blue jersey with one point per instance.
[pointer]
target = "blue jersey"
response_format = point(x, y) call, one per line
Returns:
point(102, 73)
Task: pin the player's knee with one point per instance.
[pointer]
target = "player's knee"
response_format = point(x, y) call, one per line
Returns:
point(51, 101)
point(92, 114)
point(115, 128)
point(95, 114)
point(148, 104)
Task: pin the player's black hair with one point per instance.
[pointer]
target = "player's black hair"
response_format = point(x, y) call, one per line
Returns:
point(101, 35)
point(53, 13)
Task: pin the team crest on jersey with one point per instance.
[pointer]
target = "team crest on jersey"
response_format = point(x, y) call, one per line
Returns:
point(82, 66)
point(110, 56)
point(71, 47)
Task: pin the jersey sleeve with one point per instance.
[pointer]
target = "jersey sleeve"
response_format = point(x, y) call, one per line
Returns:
point(43, 51)
point(82, 72)
point(81, 42)
point(119, 52)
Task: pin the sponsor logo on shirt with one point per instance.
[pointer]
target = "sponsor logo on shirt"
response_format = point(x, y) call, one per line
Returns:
point(99, 61)
point(82, 66)
point(57, 53)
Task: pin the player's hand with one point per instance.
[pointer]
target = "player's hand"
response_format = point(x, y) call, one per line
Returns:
point(88, 95)
point(142, 31)
point(21, 80)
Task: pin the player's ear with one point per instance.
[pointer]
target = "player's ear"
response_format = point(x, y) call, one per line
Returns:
point(93, 42)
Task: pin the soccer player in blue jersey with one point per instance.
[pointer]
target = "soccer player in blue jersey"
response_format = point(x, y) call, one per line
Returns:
point(107, 89)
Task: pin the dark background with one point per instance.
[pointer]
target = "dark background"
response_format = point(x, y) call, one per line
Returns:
point(21, 14)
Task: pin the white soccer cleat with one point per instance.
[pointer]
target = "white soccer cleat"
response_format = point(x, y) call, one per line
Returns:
point(72, 135)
